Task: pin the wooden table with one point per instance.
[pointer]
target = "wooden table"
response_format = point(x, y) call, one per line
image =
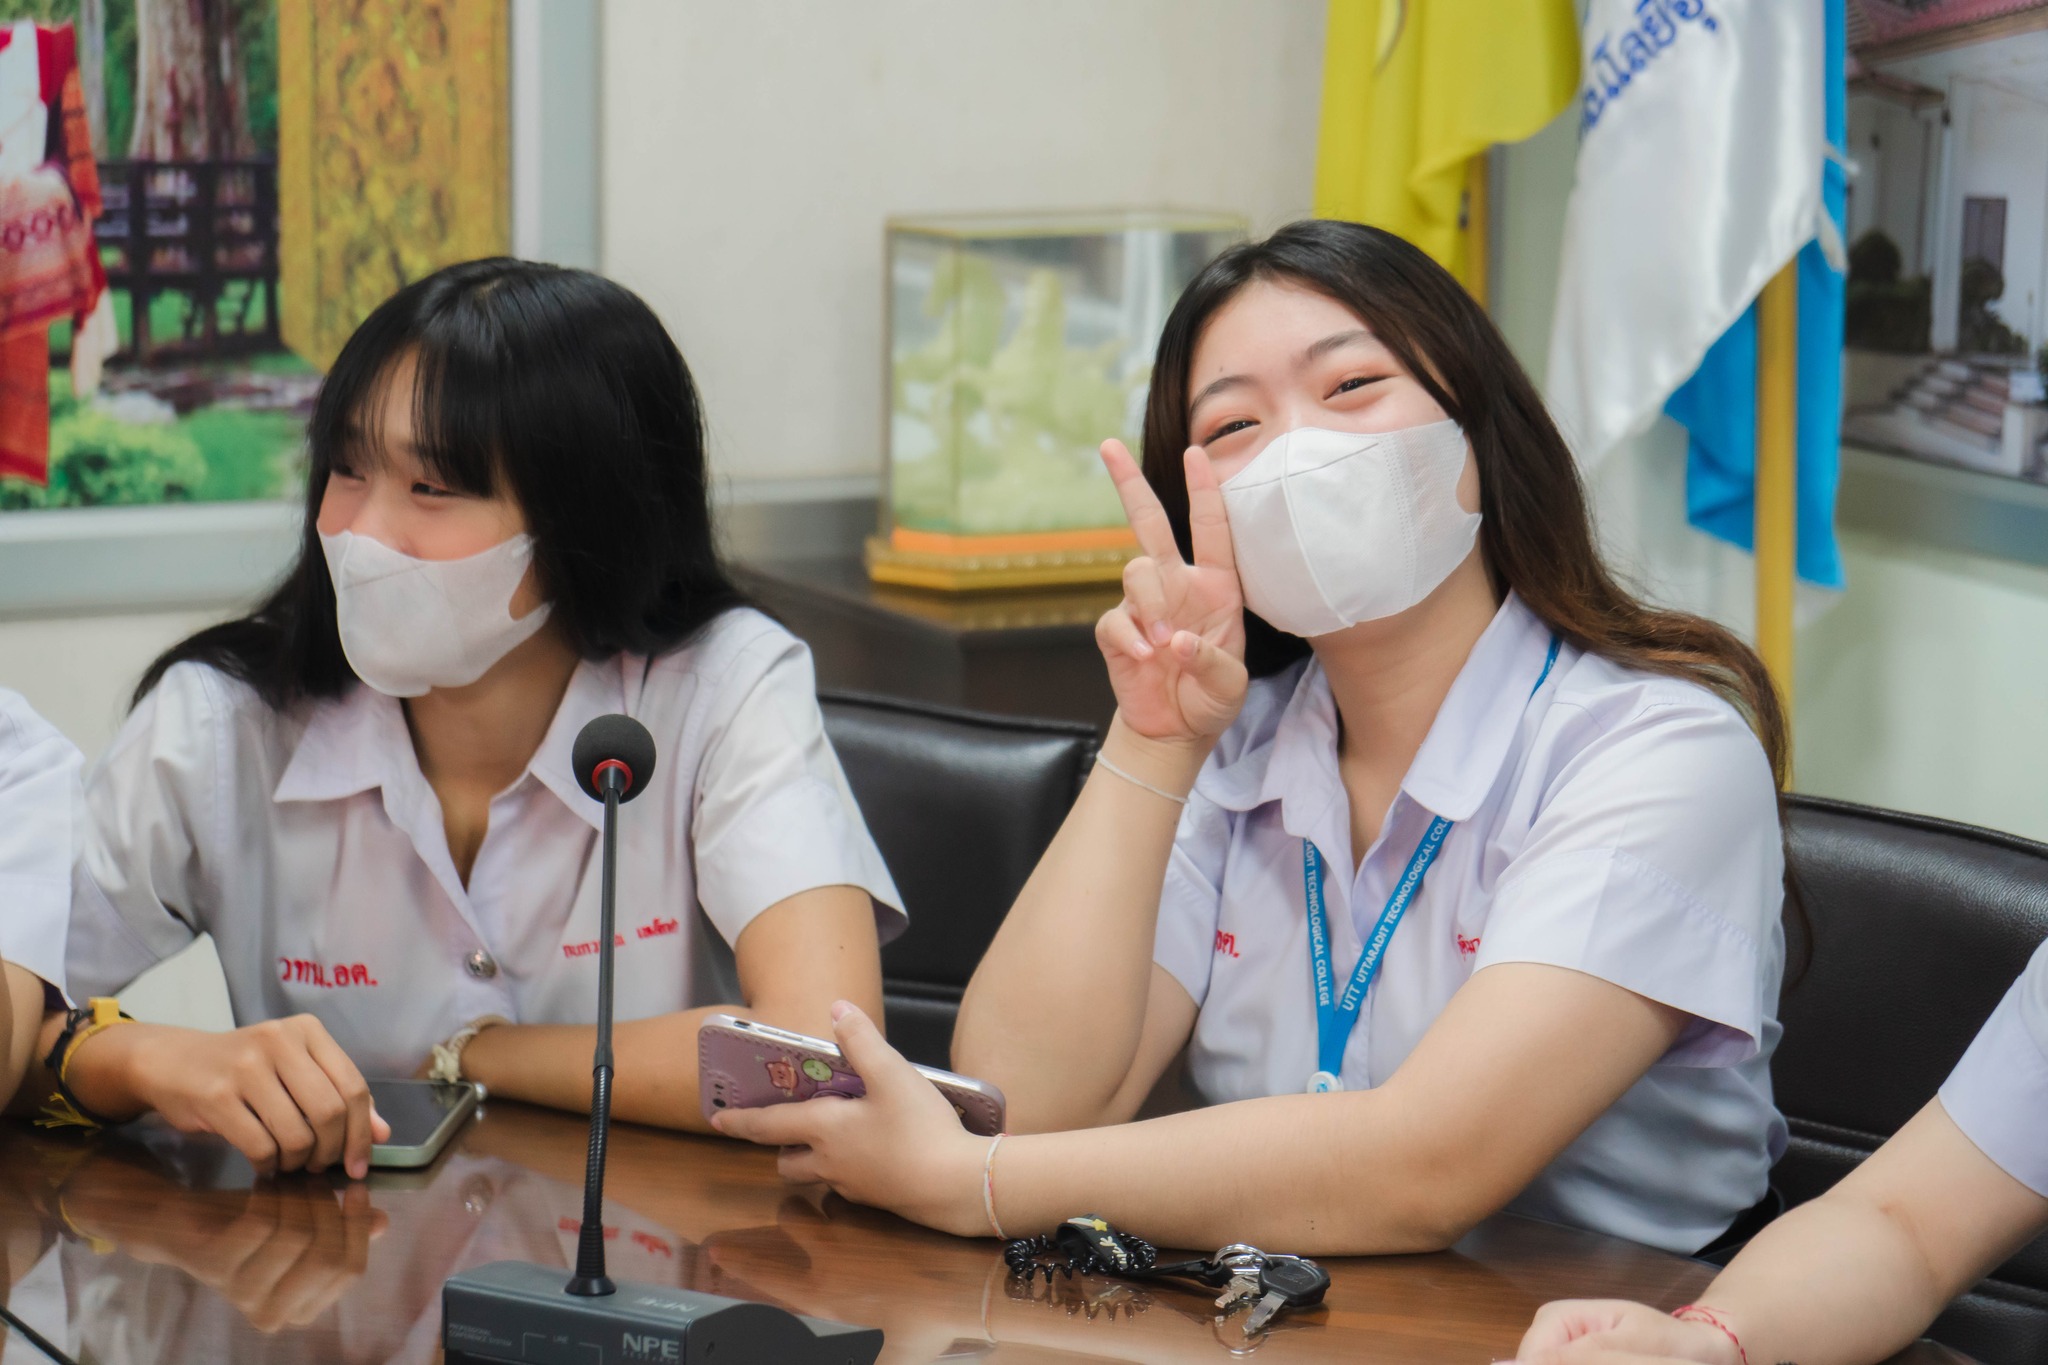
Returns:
point(143, 1246)
point(1022, 653)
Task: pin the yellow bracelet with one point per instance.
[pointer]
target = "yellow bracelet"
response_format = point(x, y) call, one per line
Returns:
point(63, 1109)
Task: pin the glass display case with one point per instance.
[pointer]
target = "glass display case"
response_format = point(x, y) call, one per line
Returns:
point(1017, 345)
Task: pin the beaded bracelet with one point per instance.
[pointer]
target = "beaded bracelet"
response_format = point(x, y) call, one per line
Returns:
point(988, 1187)
point(1693, 1312)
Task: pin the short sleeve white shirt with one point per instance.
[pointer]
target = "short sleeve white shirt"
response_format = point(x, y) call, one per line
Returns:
point(1615, 823)
point(312, 848)
point(1998, 1093)
point(39, 818)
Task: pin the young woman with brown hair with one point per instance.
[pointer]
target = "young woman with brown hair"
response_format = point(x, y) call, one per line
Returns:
point(1407, 805)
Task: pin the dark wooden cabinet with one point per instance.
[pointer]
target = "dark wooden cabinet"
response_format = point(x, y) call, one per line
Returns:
point(1021, 653)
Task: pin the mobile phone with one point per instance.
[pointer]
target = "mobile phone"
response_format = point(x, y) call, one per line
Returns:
point(745, 1065)
point(423, 1116)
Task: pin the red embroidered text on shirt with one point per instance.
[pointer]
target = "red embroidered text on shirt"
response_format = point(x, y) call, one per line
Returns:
point(589, 946)
point(657, 927)
point(1468, 946)
point(1226, 943)
point(305, 972)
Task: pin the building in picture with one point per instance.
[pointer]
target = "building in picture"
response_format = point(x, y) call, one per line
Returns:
point(1947, 327)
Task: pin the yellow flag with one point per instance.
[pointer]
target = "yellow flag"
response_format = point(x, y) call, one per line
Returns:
point(1414, 89)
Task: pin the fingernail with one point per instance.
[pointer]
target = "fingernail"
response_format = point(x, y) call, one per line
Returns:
point(840, 1009)
point(358, 1169)
point(718, 1122)
point(1161, 632)
point(1142, 648)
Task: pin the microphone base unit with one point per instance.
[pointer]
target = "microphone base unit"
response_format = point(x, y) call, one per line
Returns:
point(516, 1313)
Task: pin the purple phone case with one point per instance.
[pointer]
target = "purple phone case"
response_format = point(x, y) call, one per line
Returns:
point(742, 1070)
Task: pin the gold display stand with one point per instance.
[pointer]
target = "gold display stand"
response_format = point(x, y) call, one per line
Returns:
point(1049, 559)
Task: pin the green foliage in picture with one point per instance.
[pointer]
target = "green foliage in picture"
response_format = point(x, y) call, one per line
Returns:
point(99, 461)
point(1881, 311)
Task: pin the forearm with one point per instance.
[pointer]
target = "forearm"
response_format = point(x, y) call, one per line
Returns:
point(1082, 929)
point(1834, 1282)
point(1308, 1174)
point(1859, 1272)
point(655, 1066)
point(654, 1060)
point(21, 1009)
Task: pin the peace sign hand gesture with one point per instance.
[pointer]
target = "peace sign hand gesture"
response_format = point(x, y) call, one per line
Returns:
point(1175, 644)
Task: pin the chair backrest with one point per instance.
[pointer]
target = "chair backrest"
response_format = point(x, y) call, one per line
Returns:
point(1918, 927)
point(961, 805)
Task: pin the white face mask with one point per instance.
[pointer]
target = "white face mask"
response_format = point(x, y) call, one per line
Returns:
point(411, 625)
point(1331, 528)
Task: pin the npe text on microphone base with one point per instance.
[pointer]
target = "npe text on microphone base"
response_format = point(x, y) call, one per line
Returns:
point(514, 1313)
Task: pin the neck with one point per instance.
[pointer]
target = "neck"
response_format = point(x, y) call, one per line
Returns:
point(1389, 677)
point(484, 735)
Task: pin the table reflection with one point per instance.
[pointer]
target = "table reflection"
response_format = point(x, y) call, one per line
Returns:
point(145, 1246)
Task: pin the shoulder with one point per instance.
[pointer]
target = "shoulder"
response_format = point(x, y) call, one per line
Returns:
point(22, 731)
point(1606, 713)
point(197, 709)
point(739, 661)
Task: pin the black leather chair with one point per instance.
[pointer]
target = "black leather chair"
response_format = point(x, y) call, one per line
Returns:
point(961, 805)
point(1918, 927)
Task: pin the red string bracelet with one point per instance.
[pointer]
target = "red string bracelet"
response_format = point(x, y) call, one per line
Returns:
point(1693, 1312)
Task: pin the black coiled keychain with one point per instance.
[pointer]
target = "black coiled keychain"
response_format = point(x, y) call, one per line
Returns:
point(1089, 1245)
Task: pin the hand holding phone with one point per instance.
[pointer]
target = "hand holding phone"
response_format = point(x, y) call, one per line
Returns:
point(746, 1065)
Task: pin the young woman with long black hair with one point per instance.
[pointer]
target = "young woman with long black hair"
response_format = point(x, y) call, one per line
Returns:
point(1407, 805)
point(362, 790)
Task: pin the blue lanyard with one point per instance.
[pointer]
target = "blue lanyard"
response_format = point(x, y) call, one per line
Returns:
point(1335, 1018)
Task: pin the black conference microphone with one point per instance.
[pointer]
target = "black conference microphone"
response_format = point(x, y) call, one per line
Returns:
point(517, 1313)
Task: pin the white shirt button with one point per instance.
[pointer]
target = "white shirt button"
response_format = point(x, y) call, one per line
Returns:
point(481, 964)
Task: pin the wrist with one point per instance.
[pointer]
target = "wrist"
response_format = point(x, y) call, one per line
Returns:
point(109, 1071)
point(1169, 764)
point(1717, 1329)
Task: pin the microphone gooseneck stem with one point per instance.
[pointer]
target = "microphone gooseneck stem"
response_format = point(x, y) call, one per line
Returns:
point(590, 1280)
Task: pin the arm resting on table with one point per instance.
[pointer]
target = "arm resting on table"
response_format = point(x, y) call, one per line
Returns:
point(795, 958)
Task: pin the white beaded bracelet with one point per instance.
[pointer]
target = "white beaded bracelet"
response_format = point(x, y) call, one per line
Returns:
point(988, 1186)
point(1102, 762)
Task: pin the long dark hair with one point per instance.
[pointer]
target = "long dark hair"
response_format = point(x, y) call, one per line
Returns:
point(1536, 535)
point(556, 384)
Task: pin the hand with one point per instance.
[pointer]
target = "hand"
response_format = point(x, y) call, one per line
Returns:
point(282, 1257)
point(1175, 644)
point(282, 1092)
point(901, 1148)
point(1616, 1332)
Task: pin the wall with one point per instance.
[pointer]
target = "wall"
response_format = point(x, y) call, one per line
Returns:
point(750, 154)
point(754, 150)
point(1924, 686)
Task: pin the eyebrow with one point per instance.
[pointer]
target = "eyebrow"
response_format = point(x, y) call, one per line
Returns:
point(1336, 341)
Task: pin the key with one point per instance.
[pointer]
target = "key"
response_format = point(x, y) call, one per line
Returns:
point(1286, 1282)
point(1242, 1289)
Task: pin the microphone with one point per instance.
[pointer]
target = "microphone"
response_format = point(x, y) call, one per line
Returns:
point(614, 758)
point(512, 1312)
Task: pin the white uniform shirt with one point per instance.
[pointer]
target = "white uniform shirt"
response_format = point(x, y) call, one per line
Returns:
point(312, 848)
point(1998, 1093)
point(1617, 823)
point(39, 816)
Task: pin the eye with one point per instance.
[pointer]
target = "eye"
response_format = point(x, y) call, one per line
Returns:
point(1356, 382)
point(422, 489)
point(343, 470)
point(1228, 429)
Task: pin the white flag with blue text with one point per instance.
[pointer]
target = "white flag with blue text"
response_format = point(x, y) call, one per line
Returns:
point(1702, 144)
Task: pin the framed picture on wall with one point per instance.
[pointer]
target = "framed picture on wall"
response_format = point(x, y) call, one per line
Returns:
point(1947, 315)
point(234, 184)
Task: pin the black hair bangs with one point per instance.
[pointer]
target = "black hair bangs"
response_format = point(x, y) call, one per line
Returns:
point(555, 387)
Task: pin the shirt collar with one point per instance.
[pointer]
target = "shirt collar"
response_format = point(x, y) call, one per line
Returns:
point(1462, 755)
point(360, 742)
point(1460, 758)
